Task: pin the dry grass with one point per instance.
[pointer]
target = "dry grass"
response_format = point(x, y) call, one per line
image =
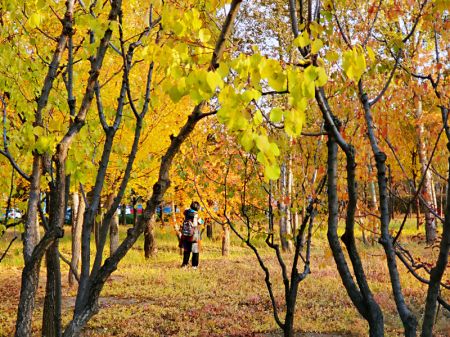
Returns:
point(225, 297)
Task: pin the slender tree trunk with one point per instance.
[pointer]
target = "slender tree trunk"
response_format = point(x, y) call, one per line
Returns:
point(427, 186)
point(291, 215)
point(78, 208)
point(373, 202)
point(174, 216)
point(150, 247)
point(226, 241)
point(209, 229)
point(359, 291)
point(285, 226)
point(408, 319)
point(114, 227)
point(97, 224)
point(31, 234)
point(30, 273)
point(73, 222)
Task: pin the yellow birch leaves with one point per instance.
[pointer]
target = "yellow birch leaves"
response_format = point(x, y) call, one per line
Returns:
point(354, 63)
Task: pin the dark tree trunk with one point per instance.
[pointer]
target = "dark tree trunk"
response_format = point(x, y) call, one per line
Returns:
point(209, 230)
point(30, 283)
point(31, 234)
point(408, 319)
point(51, 321)
point(30, 274)
point(372, 314)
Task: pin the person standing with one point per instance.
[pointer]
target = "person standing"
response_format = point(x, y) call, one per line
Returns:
point(191, 235)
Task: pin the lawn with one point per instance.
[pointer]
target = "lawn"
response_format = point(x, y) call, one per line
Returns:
point(225, 297)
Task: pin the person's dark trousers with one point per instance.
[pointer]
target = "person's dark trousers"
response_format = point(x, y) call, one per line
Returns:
point(195, 258)
point(186, 255)
point(187, 248)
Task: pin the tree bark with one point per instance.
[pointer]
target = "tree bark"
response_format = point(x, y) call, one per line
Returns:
point(285, 226)
point(78, 208)
point(427, 186)
point(114, 227)
point(209, 229)
point(51, 320)
point(226, 241)
point(408, 319)
point(31, 234)
point(149, 238)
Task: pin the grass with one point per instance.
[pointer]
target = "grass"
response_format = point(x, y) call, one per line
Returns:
point(225, 297)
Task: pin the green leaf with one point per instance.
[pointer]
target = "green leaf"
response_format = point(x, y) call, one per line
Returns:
point(247, 140)
point(257, 118)
point(223, 69)
point(214, 80)
point(322, 77)
point(308, 89)
point(272, 172)
point(276, 115)
point(260, 157)
point(44, 145)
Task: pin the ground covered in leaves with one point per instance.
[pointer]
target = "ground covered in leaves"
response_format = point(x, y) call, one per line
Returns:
point(225, 297)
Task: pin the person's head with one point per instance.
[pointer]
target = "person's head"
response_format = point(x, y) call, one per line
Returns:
point(195, 205)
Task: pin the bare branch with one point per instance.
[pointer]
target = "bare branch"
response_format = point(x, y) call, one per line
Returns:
point(7, 248)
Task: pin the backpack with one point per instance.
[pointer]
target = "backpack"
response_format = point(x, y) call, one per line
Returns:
point(188, 227)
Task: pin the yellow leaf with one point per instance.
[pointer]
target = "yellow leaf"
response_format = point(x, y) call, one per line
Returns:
point(204, 35)
point(332, 56)
point(35, 20)
point(316, 46)
point(302, 40)
point(371, 53)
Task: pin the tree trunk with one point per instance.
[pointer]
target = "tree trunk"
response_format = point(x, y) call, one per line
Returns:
point(408, 319)
point(150, 247)
point(427, 186)
point(78, 208)
point(30, 274)
point(285, 227)
point(97, 224)
point(290, 182)
point(209, 229)
point(226, 241)
point(31, 234)
point(114, 227)
point(51, 320)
